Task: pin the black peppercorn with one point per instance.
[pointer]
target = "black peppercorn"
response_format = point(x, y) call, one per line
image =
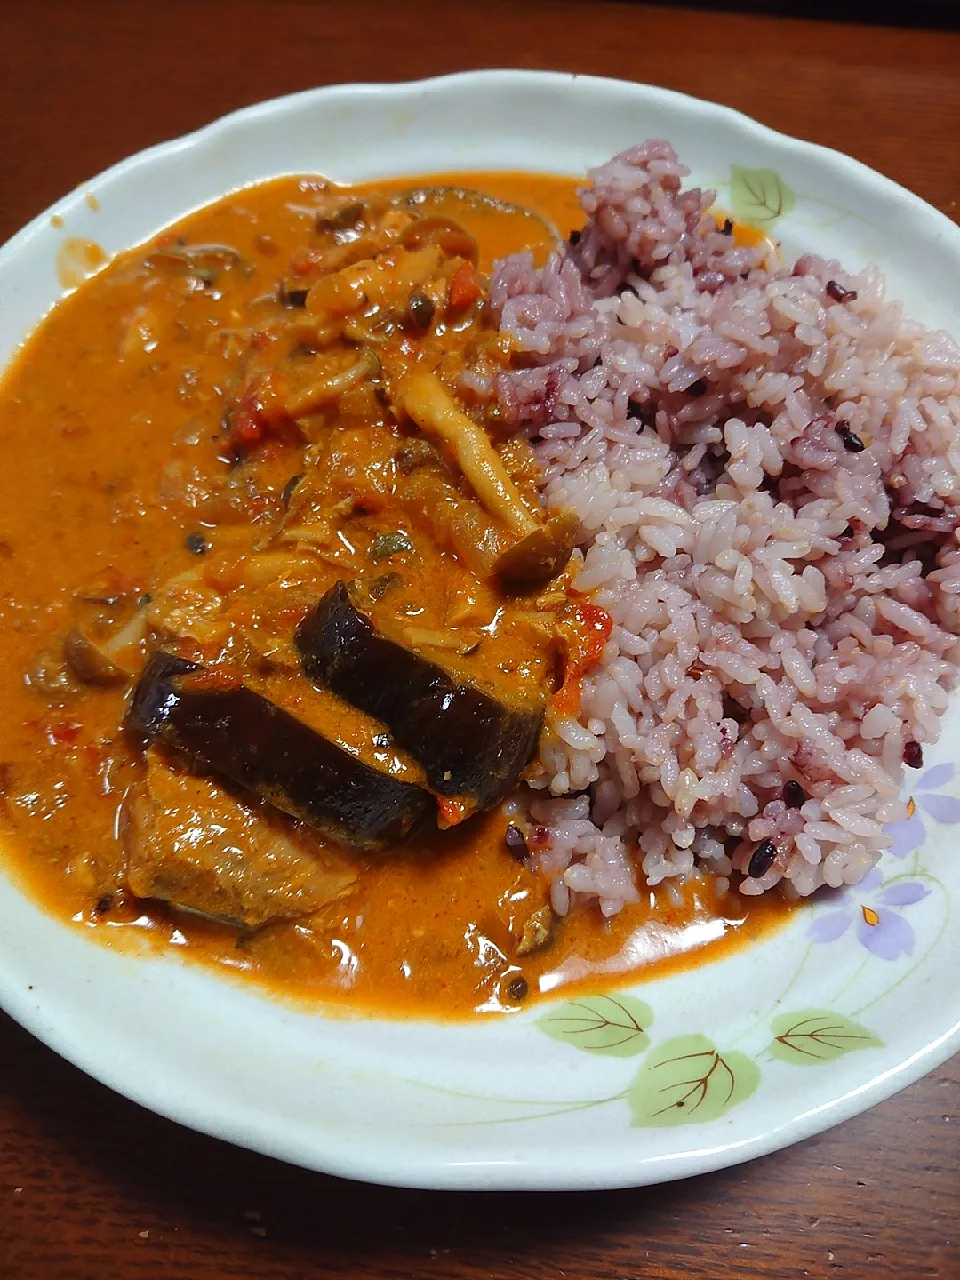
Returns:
point(518, 987)
point(420, 309)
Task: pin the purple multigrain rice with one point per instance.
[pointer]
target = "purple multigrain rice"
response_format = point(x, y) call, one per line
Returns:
point(783, 607)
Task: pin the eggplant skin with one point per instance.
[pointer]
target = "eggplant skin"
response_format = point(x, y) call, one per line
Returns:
point(244, 737)
point(468, 741)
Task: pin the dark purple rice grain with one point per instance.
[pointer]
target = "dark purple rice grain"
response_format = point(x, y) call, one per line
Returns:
point(793, 794)
point(727, 228)
point(851, 442)
point(839, 294)
point(913, 755)
point(516, 842)
point(196, 544)
point(762, 859)
point(574, 237)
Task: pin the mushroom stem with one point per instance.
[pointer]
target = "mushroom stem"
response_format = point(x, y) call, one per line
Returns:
point(430, 405)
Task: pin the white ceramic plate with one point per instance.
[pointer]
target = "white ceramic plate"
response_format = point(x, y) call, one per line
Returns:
point(857, 998)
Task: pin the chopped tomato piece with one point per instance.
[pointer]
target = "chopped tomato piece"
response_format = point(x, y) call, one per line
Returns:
point(62, 732)
point(259, 410)
point(303, 261)
point(452, 810)
point(585, 630)
point(464, 287)
point(212, 679)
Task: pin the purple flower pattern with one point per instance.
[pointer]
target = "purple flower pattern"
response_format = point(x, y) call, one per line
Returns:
point(873, 907)
point(908, 835)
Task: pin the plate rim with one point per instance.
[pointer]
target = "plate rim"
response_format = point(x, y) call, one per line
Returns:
point(242, 1129)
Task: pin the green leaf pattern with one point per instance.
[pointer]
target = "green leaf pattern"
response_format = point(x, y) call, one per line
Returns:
point(818, 1035)
point(612, 1025)
point(688, 1080)
point(759, 196)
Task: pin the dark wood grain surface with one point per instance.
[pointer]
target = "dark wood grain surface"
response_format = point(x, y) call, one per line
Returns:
point(92, 1186)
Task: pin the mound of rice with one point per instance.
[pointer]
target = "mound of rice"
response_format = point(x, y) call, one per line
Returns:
point(764, 460)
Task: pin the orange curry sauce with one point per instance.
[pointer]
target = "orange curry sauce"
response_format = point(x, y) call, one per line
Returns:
point(425, 930)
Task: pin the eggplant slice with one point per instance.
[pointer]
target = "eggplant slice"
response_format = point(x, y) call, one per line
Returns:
point(246, 738)
point(468, 741)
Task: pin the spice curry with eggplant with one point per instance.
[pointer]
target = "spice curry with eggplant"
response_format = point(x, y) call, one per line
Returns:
point(281, 615)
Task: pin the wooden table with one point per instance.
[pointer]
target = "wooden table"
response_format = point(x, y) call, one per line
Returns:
point(92, 1186)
